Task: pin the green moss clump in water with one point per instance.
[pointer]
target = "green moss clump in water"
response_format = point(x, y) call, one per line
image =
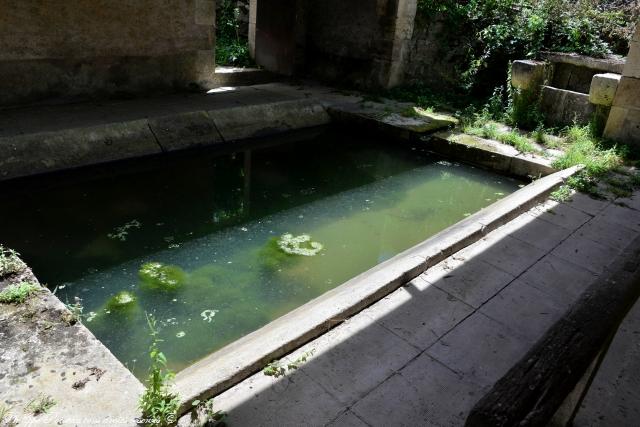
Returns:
point(299, 245)
point(121, 301)
point(281, 250)
point(160, 276)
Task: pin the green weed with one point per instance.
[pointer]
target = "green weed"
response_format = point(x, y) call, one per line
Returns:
point(158, 402)
point(212, 417)
point(517, 141)
point(276, 368)
point(40, 405)
point(19, 292)
point(10, 262)
point(562, 194)
point(5, 419)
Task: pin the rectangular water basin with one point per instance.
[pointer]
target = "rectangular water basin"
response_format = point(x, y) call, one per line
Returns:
point(196, 239)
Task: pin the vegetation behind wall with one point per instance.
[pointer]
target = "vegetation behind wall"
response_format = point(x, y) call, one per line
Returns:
point(232, 47)
point(480, 37)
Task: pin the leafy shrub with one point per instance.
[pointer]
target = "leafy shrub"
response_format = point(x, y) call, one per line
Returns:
point(231, 48)
point(502, 30)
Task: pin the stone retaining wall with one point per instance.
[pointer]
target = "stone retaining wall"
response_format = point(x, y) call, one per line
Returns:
point(61, 48)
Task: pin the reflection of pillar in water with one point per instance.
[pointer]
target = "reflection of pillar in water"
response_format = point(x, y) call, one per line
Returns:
point(247, 183)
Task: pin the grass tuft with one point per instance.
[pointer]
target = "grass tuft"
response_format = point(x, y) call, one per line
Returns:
point(40, 405)
point(585, 149)
point(18, 293)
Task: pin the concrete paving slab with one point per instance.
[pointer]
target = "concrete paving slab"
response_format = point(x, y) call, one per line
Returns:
point(601, 230)
point(480, 349)
point(473, 282)
point(355, 357)
point(348, 419)
point(536, 232)
point(586, 253)
point(424, 393)
point(632, 202)
point(562, 280)
point(588, 204)
point(419, 314)
point(560, 214)
point(630, 218)
point(525, 309)
point(509, 254)
point(265, 401)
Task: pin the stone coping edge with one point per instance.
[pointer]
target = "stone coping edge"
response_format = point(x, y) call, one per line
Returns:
point(38, 153)
point(237, 361)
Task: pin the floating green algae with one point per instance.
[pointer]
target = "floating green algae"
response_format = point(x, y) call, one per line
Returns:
point(159, 276)
point(122, 300)
point(280, 251)
point(299, 245)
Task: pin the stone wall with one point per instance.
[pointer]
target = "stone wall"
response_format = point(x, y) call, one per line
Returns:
point(435, 56)
point(358, 41)
point(624, 119)
point(63, 48)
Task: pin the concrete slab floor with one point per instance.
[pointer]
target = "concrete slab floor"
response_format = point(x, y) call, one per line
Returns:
point(445, 359)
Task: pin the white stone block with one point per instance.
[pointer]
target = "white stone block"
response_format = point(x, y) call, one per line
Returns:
point(603, 88)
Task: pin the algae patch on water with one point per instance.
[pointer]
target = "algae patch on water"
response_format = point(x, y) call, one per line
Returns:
point(122, 300)
point(159, 276)
point(279, 251)
point(299, 245)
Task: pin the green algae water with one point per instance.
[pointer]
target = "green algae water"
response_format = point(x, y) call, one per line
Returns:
point(217, 244)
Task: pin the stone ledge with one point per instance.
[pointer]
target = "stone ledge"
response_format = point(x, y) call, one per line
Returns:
point(489, 154)
point(390, 117)
point(252, 121)
point(43, 354)
point(612, 64)
point(32, 154)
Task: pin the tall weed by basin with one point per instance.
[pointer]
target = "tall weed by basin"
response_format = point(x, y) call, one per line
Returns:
point(158, 402)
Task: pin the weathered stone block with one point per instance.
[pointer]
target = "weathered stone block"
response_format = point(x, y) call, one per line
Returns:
point(254, 121)
point(632, 67)
point(623, 126)
point(564, 107)
point(527, 74)
point(185, 130)
point(603, 88)
point(51, 151)
point(628, 93)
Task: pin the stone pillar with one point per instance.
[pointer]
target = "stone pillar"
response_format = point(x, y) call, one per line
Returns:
point(253, 13)
point(405, 19)
point(623, 124)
